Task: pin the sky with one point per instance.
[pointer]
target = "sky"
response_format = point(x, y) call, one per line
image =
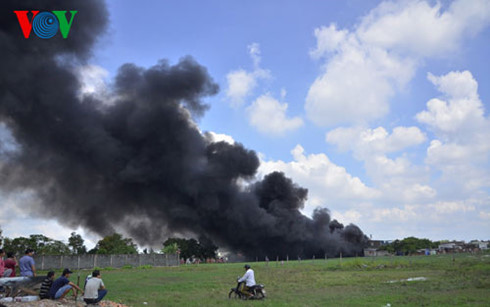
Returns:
point(379, 108)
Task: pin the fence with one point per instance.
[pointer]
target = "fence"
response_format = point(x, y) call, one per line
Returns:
point(52, 262)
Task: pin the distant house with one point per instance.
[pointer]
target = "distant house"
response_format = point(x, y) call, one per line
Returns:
point(482, 245)
point(373, 248)
point(452, 247)
point(374, 252)
point(377, 243)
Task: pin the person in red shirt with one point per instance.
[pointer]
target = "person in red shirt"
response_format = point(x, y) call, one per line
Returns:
point(10, 263)
point(3, 272)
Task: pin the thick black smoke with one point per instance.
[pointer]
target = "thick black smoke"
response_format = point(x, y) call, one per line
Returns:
point(140, 162)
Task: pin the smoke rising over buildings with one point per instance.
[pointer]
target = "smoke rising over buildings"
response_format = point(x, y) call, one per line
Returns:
point(140, 163)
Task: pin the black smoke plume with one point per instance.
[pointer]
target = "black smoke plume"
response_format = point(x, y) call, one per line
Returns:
point(140, 163)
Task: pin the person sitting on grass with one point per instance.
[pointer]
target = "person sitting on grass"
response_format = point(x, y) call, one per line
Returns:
point(46, 285)
point(62, 286)
point(94, 289)
point(249, 279)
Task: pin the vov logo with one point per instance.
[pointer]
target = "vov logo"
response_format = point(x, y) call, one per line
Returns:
point(45, 24)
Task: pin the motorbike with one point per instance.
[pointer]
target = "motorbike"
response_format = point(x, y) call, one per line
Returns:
point(257, 291)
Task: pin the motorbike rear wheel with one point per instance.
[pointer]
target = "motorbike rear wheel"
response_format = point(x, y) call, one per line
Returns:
point(259, 294)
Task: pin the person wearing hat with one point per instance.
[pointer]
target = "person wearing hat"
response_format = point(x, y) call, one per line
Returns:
point(62, 286)
point(249, 279)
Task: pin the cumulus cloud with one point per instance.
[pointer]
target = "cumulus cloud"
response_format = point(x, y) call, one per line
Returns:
point(219, 137)
point(241, 83)
point(365, 66)
point(397, 178)
point(365, 142)
point(268, 116)
point(356, 85)
point(461, 149)
point(392, 25)
point(462, 113)
point(328, 184)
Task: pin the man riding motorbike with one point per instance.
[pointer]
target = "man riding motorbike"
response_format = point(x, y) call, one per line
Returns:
point(249, 279)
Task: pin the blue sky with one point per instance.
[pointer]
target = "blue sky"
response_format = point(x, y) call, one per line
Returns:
point(379, 108)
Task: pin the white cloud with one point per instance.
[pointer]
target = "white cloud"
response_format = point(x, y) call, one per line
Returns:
point(328, 39)
point(241, 83)
point(423, 30)
point(394, 214)
point(484, 215)
point(461, 149)
point(218, 137)
point(349, 216)
point(449, 207)
point(93, 82)
point(462, 113)
point(254, 51)
point(356, 85)
point(365, 142)
point(397, 178)
point(328, 184)
point(23, 205)
point(366, 66)
point(269, 117)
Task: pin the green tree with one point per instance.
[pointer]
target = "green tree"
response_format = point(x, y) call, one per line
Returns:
point(117, 245)
point(54, 247)
point(191, 248)
point(171, 248)
point(39, 243)
point(409, 245)
point(207, 248)
point(19, 245)
point(75, 242)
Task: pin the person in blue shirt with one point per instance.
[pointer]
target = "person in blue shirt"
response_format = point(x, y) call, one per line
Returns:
point(62, 285)
point(27, 265)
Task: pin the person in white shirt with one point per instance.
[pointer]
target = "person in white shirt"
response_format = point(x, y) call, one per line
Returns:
point(249, 279)
point(94, 289)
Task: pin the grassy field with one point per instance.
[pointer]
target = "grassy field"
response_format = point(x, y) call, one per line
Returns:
point(460, 280)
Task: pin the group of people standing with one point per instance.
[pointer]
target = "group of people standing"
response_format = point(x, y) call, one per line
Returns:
point(52, 288)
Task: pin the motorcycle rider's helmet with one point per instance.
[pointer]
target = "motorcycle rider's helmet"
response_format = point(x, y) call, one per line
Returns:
point(246, 266)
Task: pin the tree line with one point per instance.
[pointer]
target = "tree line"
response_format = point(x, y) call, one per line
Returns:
point(409, 245)
point(115, 244)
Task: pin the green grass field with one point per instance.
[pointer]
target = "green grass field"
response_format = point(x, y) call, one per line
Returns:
point(462, 280)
